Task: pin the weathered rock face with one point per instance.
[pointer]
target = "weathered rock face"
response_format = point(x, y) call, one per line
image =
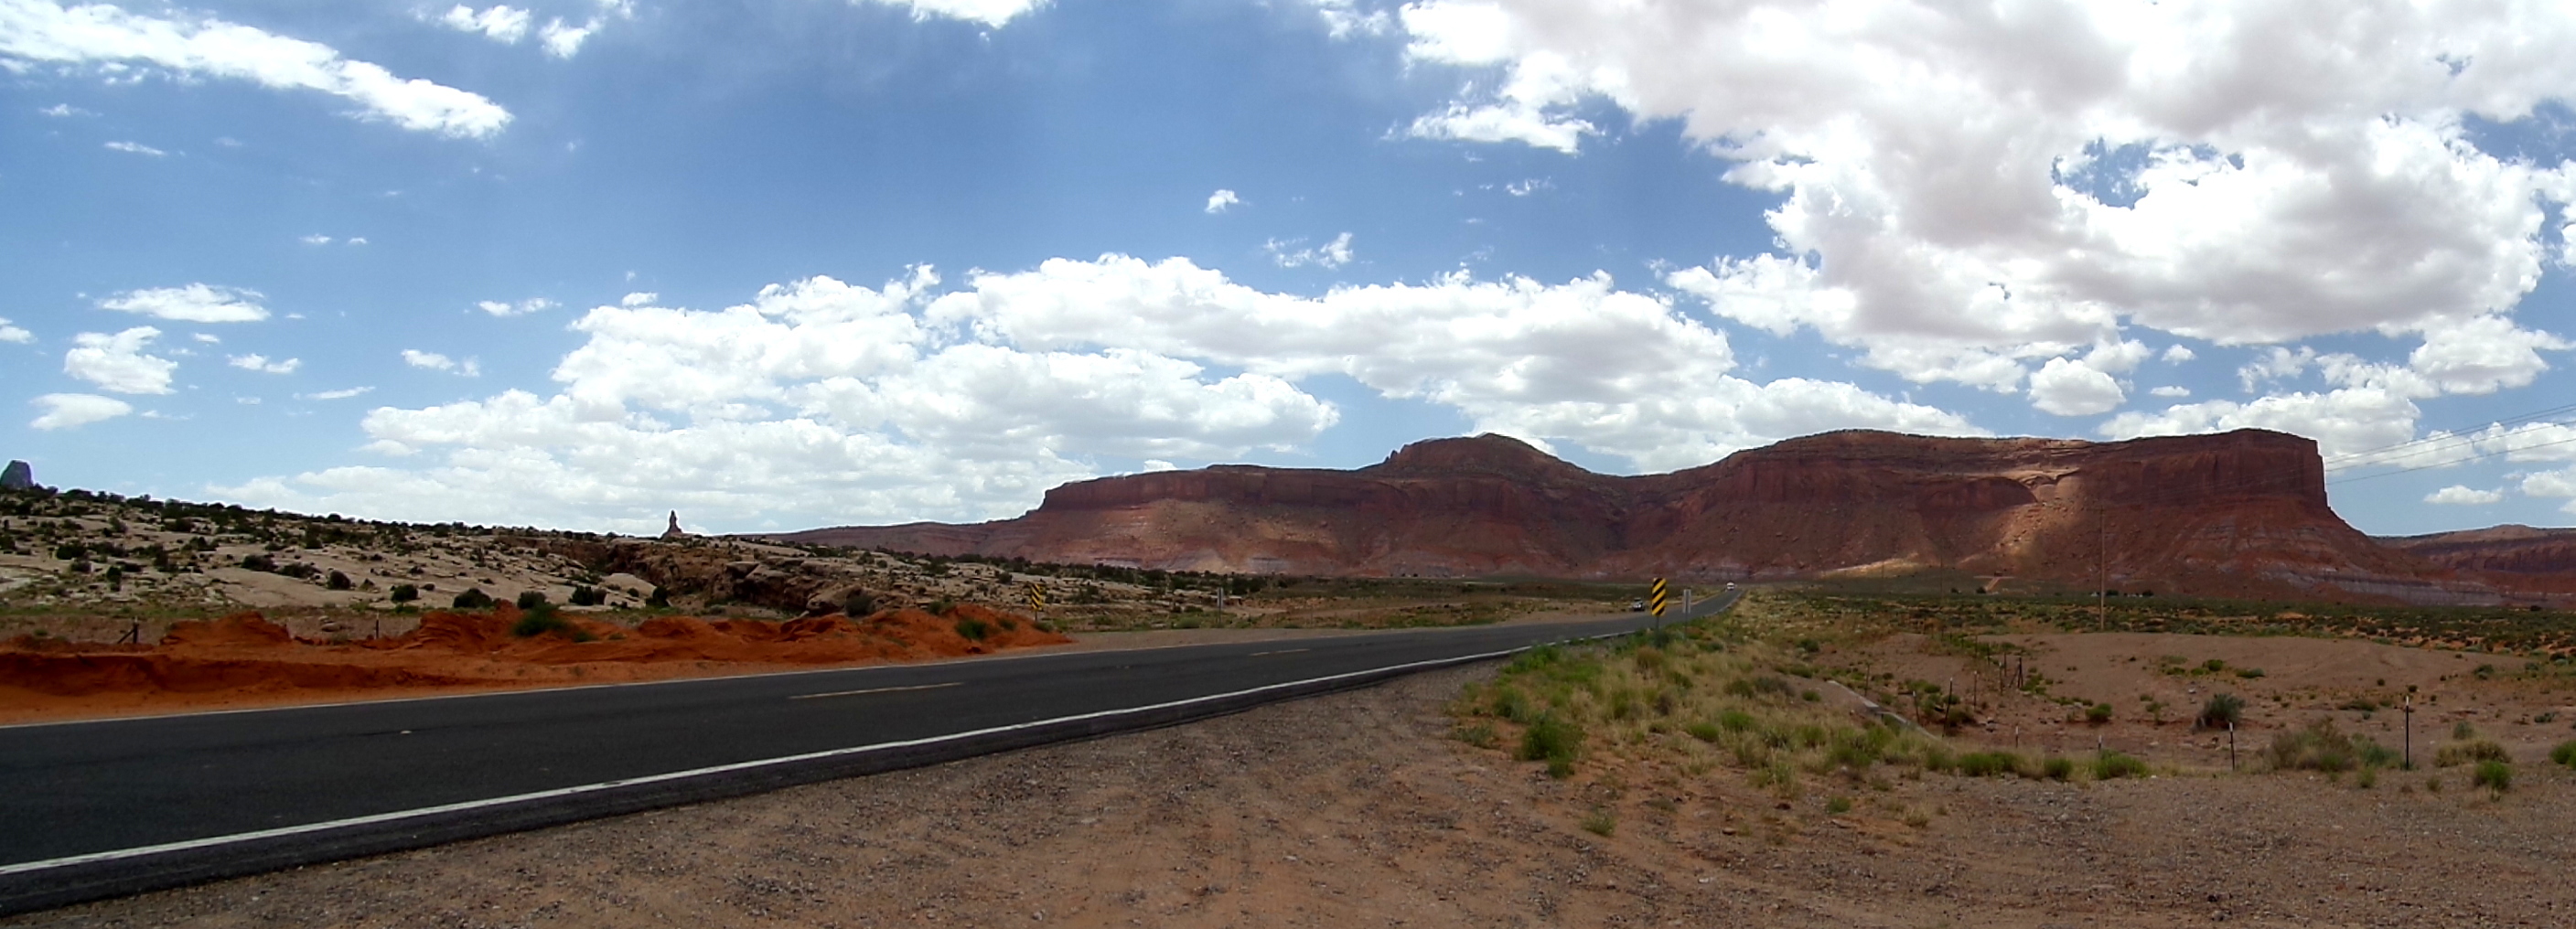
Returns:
point(2502, 549)
point(18, 476)
point(2238, 513)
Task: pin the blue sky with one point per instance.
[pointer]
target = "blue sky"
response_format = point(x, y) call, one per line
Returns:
point(854, 261)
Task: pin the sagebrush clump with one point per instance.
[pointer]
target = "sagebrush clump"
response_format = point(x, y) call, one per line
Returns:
point(2324, 747)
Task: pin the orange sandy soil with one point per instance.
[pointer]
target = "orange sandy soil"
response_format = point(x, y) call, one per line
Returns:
point(244, 660)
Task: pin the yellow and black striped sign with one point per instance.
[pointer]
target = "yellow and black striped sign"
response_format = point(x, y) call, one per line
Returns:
point(1655, 599)
point(1037, 597)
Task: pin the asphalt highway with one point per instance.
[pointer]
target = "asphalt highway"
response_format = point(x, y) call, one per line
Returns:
point(76, 788)
point(103, 789)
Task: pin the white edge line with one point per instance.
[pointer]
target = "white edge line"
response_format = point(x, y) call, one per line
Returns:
point(1031, 653)
point(875, 690)
point(396, 816)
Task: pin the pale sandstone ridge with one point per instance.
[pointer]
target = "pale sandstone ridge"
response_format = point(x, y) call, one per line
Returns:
point(2243, 512)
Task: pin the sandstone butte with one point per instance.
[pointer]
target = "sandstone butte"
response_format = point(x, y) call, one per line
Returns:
point(2241, 513)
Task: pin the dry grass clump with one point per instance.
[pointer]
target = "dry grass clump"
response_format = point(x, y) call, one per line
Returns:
point(1683, 691)
point(1700, 696)
point(2474, 750)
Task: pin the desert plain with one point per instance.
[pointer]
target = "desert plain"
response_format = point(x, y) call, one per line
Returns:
point(1862, 746)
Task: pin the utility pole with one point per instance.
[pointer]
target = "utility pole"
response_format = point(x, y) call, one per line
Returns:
point(2102, 566)
point(2410, 730)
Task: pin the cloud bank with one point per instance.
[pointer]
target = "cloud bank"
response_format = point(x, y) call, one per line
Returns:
point(192, 46)
point(820, 400)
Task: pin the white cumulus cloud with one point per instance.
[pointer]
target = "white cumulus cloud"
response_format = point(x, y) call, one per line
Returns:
point(118, 363)
point(192, 47)
point(1581, 361)
point(1970, 192)
point(194, 303)
point(437, 362)
point(2462, 495)
point(263, 365)
point(2072, 388)
point(994, 13)
point(11, 333)
point(341, 394)
point(1333, 254)
point(1218, 202)
point(564, 40)
point(502, 23)
point(135, 148)
point(2344, 421)
point(65, 411)
point(506, 309)
point(1345, 18)
point(825, 401)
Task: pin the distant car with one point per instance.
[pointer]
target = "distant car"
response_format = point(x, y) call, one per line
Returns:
point(1636, 606)
point(1730, 585)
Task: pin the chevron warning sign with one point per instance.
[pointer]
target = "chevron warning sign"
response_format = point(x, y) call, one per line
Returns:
point(1656, 598)
point(1037, 597)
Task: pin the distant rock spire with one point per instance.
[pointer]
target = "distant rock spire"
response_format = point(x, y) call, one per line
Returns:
point(19, 476)
point(674, 532)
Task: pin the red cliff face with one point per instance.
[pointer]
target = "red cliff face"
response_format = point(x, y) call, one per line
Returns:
point(2238, 513)
point(2507, 550)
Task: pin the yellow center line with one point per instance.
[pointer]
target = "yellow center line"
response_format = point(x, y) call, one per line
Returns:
point(875, 690)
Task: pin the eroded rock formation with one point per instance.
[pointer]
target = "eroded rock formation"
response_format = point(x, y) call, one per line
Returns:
point(2242, 512)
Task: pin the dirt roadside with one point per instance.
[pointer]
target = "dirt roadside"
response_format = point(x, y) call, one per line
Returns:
point(1354, 809)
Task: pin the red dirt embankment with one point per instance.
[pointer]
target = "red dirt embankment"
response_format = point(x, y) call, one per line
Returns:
point(245, 659)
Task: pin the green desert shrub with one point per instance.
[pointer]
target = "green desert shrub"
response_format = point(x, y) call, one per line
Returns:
point(2111, 766)
point(2221, 711)
point(1554, 740)
point(1480, 735)
point(2493, 775)
point(472, 599)
point(544, 620)
point(1989, 764)
point(2323, 747)
point(2564, 754)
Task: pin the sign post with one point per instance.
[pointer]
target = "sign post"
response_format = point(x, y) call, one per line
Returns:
point(1037, 602)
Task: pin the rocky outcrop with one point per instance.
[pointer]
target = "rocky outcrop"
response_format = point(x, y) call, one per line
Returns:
point(2239, 513)
point(698, 575)
point(18, 476)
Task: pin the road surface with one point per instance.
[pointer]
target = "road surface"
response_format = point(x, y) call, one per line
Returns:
point(108, 807)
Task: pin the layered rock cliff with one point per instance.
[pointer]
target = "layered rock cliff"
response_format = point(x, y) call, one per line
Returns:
point(2518, 550)
point(2243, 512)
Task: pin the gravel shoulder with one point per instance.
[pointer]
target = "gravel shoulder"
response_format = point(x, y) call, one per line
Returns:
point(1355, 809)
